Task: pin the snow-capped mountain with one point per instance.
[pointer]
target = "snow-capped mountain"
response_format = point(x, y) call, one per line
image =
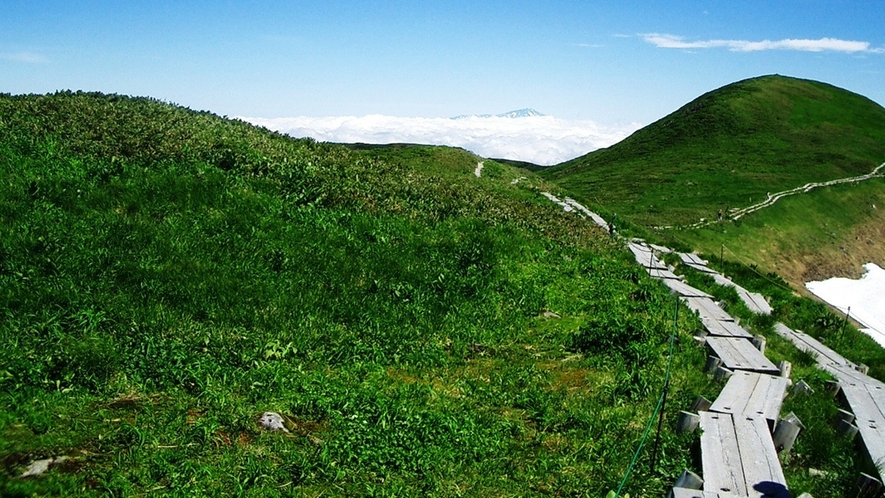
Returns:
point(519, 113)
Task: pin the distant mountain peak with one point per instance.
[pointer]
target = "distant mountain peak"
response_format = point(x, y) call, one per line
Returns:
point(519, 113)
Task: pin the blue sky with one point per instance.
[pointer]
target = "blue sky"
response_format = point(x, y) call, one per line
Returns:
point(614, 63)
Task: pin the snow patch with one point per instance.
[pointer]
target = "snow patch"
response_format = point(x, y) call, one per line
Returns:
point(866, 297)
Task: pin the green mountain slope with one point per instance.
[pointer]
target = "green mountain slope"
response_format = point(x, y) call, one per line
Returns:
point(166, 276)
point(729, 148)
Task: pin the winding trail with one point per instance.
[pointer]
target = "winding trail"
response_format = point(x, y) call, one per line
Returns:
point(739, 451)
point(736, 214)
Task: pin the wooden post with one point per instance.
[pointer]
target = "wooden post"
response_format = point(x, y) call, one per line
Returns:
point(833, 387)
point(802, 387)
point(842, 328)
point(701, 404)
point(862, 368)
point(689, 480)
point(844, 415)
point(654, 452)
point(846, 429)
point(759, 343)
point(687, 422)
point(722, 373)
point(712, 364)
point(868, 486)
point(785, 434)
point(786, 368)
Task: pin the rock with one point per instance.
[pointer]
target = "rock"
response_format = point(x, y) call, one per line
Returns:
point(272, 422)
point(40, 466)
point(549, 314)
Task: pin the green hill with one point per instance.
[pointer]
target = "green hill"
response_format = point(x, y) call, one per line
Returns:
point(168, 275)
point(728, 149)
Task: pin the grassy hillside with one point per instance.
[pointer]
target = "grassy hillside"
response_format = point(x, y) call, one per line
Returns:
point(166, 276)
point(813, 236)
point(729, 148)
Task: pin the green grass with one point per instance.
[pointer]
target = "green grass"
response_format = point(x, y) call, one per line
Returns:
point(812, 236)
point(167, 276)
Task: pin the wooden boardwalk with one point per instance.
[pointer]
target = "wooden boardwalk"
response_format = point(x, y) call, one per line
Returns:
point(739, 456)
point(683, 289)
point(865, 395)
point(645, 256)
point(725, 329)
point(740, 354)
point(755, 301)
point(707, 309)
point(804, 342)
point(752, 395)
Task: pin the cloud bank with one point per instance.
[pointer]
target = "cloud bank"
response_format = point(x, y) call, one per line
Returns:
point(543, 140)
point(803, 45)
point(25, 57)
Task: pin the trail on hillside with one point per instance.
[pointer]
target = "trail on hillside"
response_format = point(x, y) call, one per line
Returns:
point(479, 166)
point(736, 214)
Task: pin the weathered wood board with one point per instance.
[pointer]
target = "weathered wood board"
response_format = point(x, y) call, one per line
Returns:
point(701, 268)
point(660, 249)
point(803, 341)
point(685, 290)
point(756, 302)
point(645, 257)
point(692, 259)
point(739, 456)
point(725, 329)
point(739, 354)
point(723, 280)
point(699, 493)
point(707, 309)
point(752, 394)
point(866, 397)
point(663, 274)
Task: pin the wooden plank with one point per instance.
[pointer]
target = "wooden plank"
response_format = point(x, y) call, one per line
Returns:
point(762, 469)
point(739, 457)
point(720, 455)
point(752, 394)
point(866, 397)
point(692, 259)
point(722, 280)
point(663, 274)
point(803, 341)
point(683, 289)
point(756, 302)
point(699, 493)
point(660, 249)
point(725, 329)
point(701, 268)
point(739, 354)
point(645, 257)
point(707, 309)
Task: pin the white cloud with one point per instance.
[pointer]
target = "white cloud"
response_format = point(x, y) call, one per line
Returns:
point(804, 45)
point(26, 57)
point(541, 140)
